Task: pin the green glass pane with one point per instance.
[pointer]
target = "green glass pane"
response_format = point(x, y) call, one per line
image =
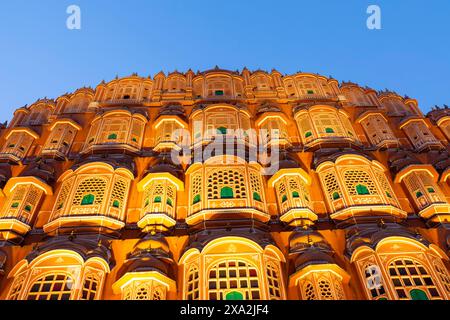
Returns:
point(362, 190)
point(256, 196)
point(222, 130)
point(336, 196)
point(308, 134)
point(226, 193)
point(388, 195)
point(417, 294)
point(284, 198)
point(234, 296)
point(28, 208)
point(157, 200)
point(116, 204)
point(169, 202)
point(112, 136)
point(329, 130)
point(219, 93)
point(419, 194)
point(88, 200)
point(15, 205)
point(295, 194)
point(196, 199)
point(431, 190)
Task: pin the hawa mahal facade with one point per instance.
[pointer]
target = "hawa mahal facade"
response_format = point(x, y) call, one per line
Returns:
point(95, 206)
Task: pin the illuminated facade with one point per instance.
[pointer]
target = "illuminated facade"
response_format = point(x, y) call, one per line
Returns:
point(94, 204)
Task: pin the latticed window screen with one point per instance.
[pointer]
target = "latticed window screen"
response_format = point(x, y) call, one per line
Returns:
point(443, 275)
point(64, 194)
point(374, 281)
point(77, 105)
point(16, 288)
point(61, 138)
point(56, 286)
point(327, 122)
point(136, 132)
point(218, 120)
point(114, 127)
point(223, 178)
point(331, 186)
point(94, 186)
point(119, 192)
point(307, 87)
point(306, 129)
point(407, 275)
point(355, 178)
point(196, 187)
point(192, 283)
point(90, 287)
point(274, 281)
point(18, 144)
point(23, 203)
point(325, 290)
point(166, 132)
point(142, 292)
point(309, 292)
point(386, 187)
point(233, 276)
point(430, 187)
point(282, 195)
point(93, 132)
point(255, 185)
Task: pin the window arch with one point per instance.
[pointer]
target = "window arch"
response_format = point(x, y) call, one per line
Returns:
point(53, 286)
point(233, 276)
point(192, 283)
point(412, 280)
point(274, 281)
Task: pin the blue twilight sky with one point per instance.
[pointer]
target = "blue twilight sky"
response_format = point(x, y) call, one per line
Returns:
point(40, 57)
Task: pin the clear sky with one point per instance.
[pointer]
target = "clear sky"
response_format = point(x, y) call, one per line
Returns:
point(40, 57)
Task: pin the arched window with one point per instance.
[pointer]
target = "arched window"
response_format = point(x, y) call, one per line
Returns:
point(374, 282)
point(274, 281)
point(56, 286)
point(192, 284)
point(235, 276)
point(408, 276)
point(90, 287)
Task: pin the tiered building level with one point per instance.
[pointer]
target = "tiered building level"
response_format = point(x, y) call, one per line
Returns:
point(94, 204)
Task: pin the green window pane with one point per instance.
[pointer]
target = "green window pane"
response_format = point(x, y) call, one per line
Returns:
point(28, 208)
point(157, 200)
point(88, 200)
point(219, 93)
point(362, 190)
point(308, 134)
point(419, 194)
point(116, 204)
point(15, 205)
point(310, 92)
point(147, 202)
point(226, 193)
point(197, 199)
point(295, 194)
point(222, 130)
point(256, 196)
point(431, 190)
point(169, 202)
point(388, 195)
point(329, 130)
point(417, 294)
point(112, 136)
point(284, 198)
point(336, 196)
point(234, 296)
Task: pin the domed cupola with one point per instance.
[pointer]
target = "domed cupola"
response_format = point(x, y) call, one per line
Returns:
point(316, 273)
point(147, 273)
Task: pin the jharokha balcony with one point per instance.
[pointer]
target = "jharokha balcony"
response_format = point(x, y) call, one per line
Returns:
point(93, 197)
point(357, 189)
point(230, 192)
point(23, 197)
